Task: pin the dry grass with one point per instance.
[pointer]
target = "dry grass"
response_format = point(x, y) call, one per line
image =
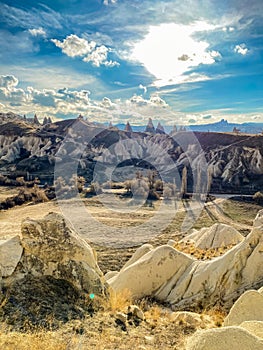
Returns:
point(201, 254)
point(241, 212)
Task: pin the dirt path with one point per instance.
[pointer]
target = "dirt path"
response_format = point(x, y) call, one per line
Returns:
point(214, 210)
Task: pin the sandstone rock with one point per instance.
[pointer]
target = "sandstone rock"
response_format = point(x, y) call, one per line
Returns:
point(171, 242)
point(51, 247)
point(254, 327)
point(121, 317)
point(10, 254)
point(135, 311)
point(216, 236)
point(174, 277)
point(151, 271)
point(258, 222)
point(260, 290)
point(191, 318)
point(249, 307)
point(110, 274)
point(226, 338)
point(145, 248)
point(149, 339)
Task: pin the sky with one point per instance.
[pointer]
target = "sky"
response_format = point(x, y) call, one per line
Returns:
point(179, 62)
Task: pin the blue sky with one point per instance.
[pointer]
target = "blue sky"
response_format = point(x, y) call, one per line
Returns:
point(117, 60)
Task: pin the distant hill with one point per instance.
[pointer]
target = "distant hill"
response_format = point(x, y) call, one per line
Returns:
point(221, 126)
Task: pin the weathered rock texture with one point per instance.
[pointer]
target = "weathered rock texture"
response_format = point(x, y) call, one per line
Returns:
point(50, 247)
point(234, 338)
point(248, 307)
point(174, 277)
point(216, 236)
point(47, 274)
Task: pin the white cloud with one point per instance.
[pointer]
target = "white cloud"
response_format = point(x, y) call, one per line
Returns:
point(99, 57)
point(74, 46)
point(37, 32)
point(107, 2)
point(8, 81)
point(170, 50)
point(144, 88)
point(241, 49)
point(70, 103)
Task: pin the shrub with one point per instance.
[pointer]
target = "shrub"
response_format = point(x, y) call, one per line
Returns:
point(258, 197)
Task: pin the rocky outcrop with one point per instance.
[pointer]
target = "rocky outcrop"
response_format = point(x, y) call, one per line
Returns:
point(47, 274)
point(150, 127)
point(249, 307)
point(233, 160)
point(10, 254)
point(128, 127)
point(243, 327)
point(153, 270)
point(174, 277)
point(234, 338)
point(216, 236)
point(50, 247)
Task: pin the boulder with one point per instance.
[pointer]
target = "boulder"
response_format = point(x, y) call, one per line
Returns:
point(260, 290)
point(234, 338)
point(216, 236)
point(52, 248)
point(10, 254)
point(248, 307)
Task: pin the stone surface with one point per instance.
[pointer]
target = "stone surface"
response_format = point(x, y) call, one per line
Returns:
point(52, 248)
point(135, 311)
point(248, 307)
point(174, 277)
point(145, 248)
point(10, 254)
point(151, 271)
point(254, 327)
point(191, 318)
point(216, 236)
point(110, 274)
point(226, 338)
point(258, 222)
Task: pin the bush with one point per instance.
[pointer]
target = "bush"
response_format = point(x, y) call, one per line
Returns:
point(258, 197)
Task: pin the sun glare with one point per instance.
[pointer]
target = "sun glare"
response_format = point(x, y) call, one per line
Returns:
point(170, 50)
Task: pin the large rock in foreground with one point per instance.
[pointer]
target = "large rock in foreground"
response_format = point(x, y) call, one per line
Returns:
point(47, 273)
point(234, 338)
point(50, 247)
point(248, 307)
point(10, 254)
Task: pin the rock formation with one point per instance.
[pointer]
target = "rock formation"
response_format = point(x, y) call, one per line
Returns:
point(128, 127)
point(160, 129)
point(243, 327)
point(234, 338)
point(217, 236)
point(150, 127)
point(50, 247)
point(248, 307)
point(174, 277)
